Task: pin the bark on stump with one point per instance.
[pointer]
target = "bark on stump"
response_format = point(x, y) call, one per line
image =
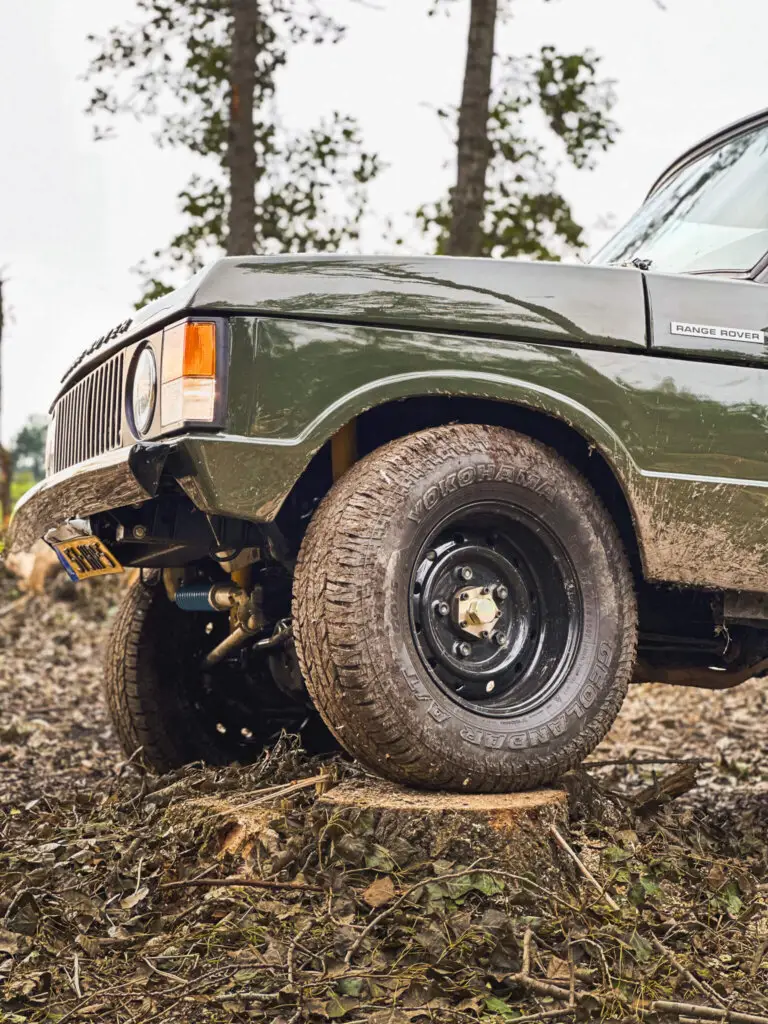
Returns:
point(511, 829)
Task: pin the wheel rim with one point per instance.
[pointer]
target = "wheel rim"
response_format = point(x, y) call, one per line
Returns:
point(235, 712)
point(496, 609)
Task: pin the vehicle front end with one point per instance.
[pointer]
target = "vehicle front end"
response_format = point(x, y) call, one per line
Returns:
point(128, 429)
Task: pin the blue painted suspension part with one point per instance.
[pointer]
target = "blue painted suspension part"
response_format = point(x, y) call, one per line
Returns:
point(202, 597)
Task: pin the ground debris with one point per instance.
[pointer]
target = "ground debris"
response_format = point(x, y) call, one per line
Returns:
point(126, 898)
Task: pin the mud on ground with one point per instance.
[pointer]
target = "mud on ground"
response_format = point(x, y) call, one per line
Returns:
point(93, 928)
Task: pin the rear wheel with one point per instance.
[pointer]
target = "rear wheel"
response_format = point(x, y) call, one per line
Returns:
point(464, 612)
point(161, 700)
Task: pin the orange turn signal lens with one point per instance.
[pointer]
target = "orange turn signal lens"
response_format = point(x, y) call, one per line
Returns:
point(200, 350)
point(188, 375)
point(189, 350)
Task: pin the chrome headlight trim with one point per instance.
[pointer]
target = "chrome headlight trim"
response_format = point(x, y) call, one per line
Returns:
point(143, 390)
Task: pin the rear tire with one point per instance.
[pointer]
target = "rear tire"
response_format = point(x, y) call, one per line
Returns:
point(390, 657)
point(160, 699)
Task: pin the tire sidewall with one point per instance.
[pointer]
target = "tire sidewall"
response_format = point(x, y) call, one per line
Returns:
point(561, 502)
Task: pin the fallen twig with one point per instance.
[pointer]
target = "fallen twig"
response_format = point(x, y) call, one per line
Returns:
point(273, 793)
point(546, 1015)
point(662, 791)
point(700, 986)
point(708, 1012)
point(544, 988)
point(583, 868)
point(14, 606)
point(292, 949)
point(165, 974)
point(254, 883)
point(647, 761)
point(527, 951)
point(665, 951)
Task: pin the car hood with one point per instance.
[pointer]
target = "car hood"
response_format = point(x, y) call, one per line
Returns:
point(602, 306)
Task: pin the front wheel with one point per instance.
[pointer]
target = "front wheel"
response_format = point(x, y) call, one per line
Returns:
point(464, 612)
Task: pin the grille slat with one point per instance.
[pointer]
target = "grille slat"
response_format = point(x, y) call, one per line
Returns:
point(78, 425)
point(89, 416)
point(93, 413)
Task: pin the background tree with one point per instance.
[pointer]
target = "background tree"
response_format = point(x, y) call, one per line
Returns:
point(5, 459)
point(505, 201)
point(28, 448)
point(203, 72)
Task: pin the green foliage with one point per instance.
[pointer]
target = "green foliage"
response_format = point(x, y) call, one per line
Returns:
point(28, 450)
point(172, 70)
point(20, 484)
point(525, 213)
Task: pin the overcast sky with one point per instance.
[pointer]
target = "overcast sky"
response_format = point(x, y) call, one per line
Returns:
point(76, 215)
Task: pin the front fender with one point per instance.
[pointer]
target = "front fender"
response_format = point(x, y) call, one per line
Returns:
point(685, 440)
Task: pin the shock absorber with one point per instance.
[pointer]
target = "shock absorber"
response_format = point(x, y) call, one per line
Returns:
point(202, 597)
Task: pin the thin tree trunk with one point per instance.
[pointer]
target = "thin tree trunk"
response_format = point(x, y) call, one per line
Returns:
point(474, 150)
point(2, 324)
point(241, 136)
point(5, 459)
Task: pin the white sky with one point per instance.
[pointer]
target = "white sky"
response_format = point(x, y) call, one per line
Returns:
point(76, 215)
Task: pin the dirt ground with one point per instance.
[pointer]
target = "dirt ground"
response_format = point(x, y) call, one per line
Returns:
point(91, 927)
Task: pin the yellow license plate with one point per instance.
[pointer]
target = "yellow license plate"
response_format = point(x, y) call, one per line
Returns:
point(86, 557)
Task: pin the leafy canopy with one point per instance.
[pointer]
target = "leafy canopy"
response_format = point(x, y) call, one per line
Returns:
point(172, 69)
point(525, 213)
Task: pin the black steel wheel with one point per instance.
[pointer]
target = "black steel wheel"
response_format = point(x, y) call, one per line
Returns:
point(495, 609)
point(161, 699)
point(464, 612)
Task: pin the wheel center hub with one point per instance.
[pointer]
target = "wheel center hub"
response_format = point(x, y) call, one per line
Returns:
point(474, 611)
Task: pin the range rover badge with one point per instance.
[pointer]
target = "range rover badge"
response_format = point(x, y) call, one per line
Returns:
point(717, 333)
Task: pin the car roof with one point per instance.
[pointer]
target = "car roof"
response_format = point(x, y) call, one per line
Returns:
point(730, 131)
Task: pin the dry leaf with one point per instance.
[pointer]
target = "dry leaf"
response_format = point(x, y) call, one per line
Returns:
point(557, 968)
point(379, 892)
point(9, 942)
point(130, 901)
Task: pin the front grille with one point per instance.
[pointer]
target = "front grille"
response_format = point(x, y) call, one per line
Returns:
point(89, 416)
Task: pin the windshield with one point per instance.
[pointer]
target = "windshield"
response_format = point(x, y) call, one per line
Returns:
point(712, 216)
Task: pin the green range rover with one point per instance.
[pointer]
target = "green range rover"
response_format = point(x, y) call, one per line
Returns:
point(443, 510)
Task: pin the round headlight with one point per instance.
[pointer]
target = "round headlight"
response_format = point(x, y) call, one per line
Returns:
point(50, 446)
point(144, 396)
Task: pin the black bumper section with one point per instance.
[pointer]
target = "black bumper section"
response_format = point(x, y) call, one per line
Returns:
point(127, 476)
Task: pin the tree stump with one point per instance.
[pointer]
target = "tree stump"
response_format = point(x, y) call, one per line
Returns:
point(34, 568)
point(381, 819)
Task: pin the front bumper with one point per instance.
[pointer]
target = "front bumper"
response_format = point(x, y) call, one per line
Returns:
point(127, 476)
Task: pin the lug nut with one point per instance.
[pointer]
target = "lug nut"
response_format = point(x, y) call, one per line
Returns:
point(463, 650)
point(465, 573)
point(502, 593)
point(431, 556)
point(500, 640)
point(490, 686)
point(442, 608)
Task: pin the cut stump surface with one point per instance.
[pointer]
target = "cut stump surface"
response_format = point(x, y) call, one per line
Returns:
point(510, 828)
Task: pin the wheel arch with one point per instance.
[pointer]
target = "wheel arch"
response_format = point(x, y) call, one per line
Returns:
point(596, 453)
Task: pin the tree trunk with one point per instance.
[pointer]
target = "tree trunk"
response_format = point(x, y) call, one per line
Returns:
point(5, 459)
point(241, 157)
point(474, 149)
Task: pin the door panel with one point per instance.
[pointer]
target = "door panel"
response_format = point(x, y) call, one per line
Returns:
point(709, 317)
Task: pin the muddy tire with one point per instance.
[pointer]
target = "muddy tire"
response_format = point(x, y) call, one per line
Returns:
point(464, 612)
point(160, 701)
